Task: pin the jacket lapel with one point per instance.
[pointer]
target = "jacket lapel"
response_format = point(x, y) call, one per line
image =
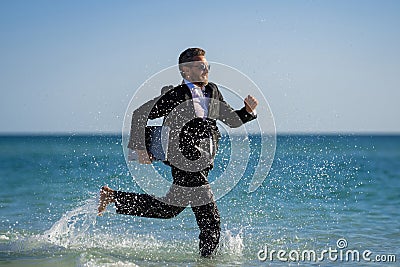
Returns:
point(211, 91)
point(213, 105)
point(187, 95)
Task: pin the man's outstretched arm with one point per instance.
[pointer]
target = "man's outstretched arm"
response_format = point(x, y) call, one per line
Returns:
point(236, 118)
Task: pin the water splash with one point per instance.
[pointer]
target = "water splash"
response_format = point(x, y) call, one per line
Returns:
point(230, 243)
point(74, 225)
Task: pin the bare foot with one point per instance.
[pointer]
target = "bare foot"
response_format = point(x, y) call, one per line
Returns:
point(106, 197)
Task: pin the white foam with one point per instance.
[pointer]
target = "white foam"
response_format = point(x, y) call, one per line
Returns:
point(91, 261)
point(4, 237)
point(78, 231)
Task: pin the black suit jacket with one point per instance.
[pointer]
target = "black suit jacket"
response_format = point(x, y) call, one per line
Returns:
point(176, 106)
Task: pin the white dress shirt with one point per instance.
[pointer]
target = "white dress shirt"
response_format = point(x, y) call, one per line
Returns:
point(200, 100)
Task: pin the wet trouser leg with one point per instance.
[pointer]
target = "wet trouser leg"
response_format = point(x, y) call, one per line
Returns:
point(208, 220)
point(144, 205)
point(204, 208)
point(178, 197)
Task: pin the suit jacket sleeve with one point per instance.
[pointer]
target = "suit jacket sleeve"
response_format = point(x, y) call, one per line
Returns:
point(155, 108)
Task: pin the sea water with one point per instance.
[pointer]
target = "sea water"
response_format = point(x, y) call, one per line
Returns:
point(323, 192)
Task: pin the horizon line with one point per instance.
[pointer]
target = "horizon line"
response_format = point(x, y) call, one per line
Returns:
point(111, 133)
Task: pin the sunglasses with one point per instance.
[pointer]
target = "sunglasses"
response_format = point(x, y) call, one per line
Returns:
point(203, 67)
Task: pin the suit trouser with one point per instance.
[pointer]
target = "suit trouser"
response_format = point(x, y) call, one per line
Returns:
point(207, 215)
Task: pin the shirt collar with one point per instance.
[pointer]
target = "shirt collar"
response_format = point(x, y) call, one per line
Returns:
point(190, 84)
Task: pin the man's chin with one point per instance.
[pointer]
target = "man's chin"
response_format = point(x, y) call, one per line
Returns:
point(201, 83)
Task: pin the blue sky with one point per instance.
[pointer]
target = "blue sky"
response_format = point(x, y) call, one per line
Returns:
point(323, 66)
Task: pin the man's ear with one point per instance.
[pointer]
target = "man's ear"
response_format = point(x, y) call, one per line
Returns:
point(184, 71)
